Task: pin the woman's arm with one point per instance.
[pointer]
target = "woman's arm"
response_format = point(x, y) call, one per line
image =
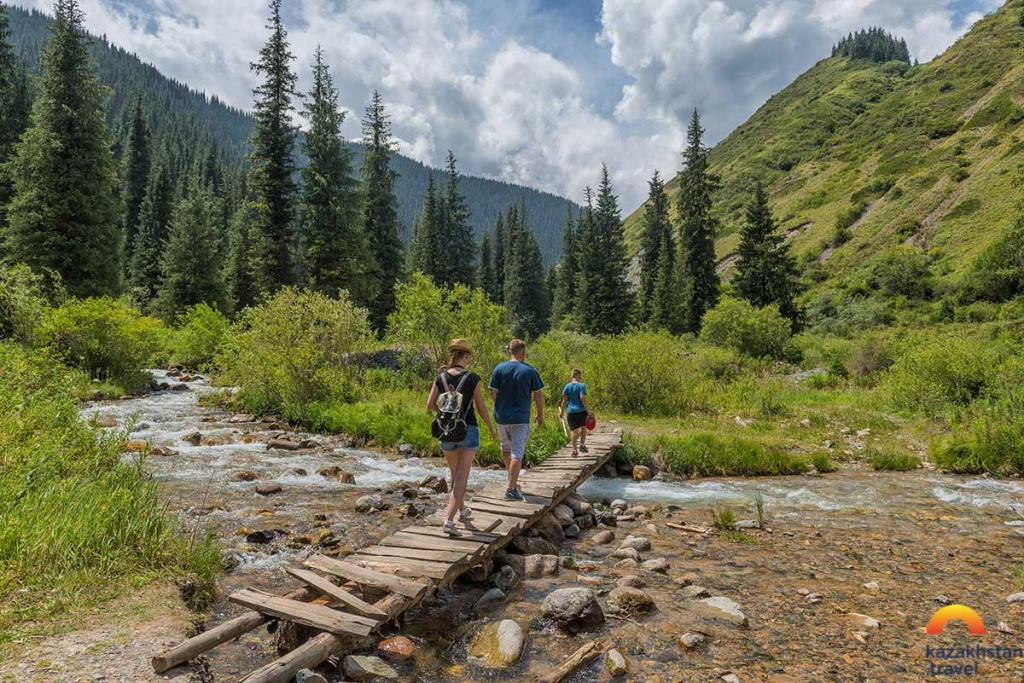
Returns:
point(481, 408)
point(432, 398)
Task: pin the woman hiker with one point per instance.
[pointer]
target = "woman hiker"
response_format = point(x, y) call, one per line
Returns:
point(575, 410)
point(453, 395)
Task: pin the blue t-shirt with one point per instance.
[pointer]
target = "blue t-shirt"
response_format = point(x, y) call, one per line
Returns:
point(575, 391)
point(515, 383)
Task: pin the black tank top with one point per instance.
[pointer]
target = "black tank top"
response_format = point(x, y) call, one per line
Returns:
point(468, 389)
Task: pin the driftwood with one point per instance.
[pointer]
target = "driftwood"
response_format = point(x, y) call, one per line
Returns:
point(574, 662)
point(688, 527)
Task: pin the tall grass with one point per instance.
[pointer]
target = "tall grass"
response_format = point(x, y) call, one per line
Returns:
point(711, 455)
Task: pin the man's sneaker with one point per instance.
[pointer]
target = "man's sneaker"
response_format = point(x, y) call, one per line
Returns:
point(513, 494)
point(575, 454)
point(450, 528)
point(584, 449)
point(465, 513)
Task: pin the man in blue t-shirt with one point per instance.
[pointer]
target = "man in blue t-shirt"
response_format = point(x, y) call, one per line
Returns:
point(513, 385)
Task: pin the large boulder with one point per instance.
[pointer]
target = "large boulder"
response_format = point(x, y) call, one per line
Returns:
point(603, 537)
point(369, 504)
point(564, 515)
point(506, 578)
point(362, 668)
point(627, 554)
point(499, 644)
point(638, 543)
point(629, 600)
point(727, 609)
point(658, 564)
point(573, 609)
point(541, 565)
point(535, 545)
point(551, 529)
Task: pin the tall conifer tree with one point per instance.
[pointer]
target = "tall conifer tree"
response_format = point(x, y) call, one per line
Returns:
point(766, 272)
point(696, 275)
point(65, 208)
point(605, 298)
point(154, 217)
point(332, 242)
point(664, 308)
point(240, 286)
point(499, 258)
point(135, 169)
point(14, 106)
point(563, 292)
point(272, 187)
point(380, 212)
point(656, 236)
point(486, 280)
point(526, 297)
point(425, 250)
point(458, 242)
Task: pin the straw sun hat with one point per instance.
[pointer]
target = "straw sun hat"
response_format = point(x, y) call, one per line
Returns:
point(459, 345)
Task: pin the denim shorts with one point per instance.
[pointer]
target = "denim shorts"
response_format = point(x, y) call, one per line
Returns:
point(513, 439)
point(470, 443)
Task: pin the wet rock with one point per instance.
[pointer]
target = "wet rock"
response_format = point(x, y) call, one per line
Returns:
point(535, 545)
point(748, 524)
point(362, 668)
point(568, 562)
point(616, 663)
point(573, 609)
point(626, 565)
point(398, 649)
point(587, 521)
point(411, 494)
point(162, 451)
point(337, 473)
point(658, 564)
point(638, 543)
point(298, 472)
point(631, 581)
point(572, 531)
point(1016, 597)
point(728, 609)
point(607, 519)
point(517, 563)
point(180, 387)
point(480, 573)
point(499, 644)
point(245, 475)
point(628, 600)
point(619, 504)
point(550, 528)
point(370, 504)
point(136, 446)
point(193, 439)
point(220, 440)
point(268, 489)
point(862, 620)
point(435, 484)
point(489, 599)
point(408, 510)
point(574, 502)
point(564, 515)
point(608, 471)
point(262, 536)
point(282, 445)
point(691, 640)
point(240, 418)
point(107, 421)
point(506, 579)
point(406, 449)
point(604, 537)
point(627, 553)
point(307, 676)
point(695, 592)
point(642, 473)
point(537, 566)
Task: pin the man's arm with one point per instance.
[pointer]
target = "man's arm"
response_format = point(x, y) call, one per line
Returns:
point(538, 396)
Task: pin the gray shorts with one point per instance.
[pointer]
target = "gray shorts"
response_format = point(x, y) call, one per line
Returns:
point(513, 439)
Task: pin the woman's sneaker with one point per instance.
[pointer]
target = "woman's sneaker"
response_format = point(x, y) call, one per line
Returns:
point(465, 513)
point(450, 528)
point(575, 454)
point(513, 494)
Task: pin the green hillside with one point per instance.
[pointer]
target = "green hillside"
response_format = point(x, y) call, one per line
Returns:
point(188, 120)
point(924, 156)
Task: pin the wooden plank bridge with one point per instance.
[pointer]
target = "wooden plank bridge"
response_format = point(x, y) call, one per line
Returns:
point(397, 573)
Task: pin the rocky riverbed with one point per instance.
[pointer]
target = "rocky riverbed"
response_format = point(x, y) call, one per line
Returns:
point(836, 584)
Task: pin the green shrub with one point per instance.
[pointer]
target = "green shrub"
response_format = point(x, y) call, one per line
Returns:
point(893, 461)
point(554, 356)
point(755, 332)
point(24, 299)
point(708, 455)
point(105, 337)
point(823, 462)
point(201, 331)
point(869, 358)
point(903, 271)
point(724, 519)
point(294, 350)
point(998, 273)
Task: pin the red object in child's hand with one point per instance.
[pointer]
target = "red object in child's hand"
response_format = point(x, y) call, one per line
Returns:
point(591, 422)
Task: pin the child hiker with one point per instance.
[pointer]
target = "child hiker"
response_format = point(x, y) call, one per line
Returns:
point(575, 410)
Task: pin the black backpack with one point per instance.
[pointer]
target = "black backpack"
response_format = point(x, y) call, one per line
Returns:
point(450, 423)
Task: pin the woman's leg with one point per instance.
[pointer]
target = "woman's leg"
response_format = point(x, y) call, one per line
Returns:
point(461, 483)
point(453, 465)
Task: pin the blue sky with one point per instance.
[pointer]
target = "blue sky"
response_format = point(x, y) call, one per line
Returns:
point(538, 92)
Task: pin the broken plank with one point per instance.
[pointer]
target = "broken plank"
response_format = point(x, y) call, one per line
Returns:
point(400, 566)
point(317, 616)
point(368, 577)
point(337, 592)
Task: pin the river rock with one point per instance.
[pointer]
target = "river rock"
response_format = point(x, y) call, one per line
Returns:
point(573, 609)
point(337, 473)
point(162, 451)
point(370, 504)
point(245, 475)
point(616, 663)
point(517, 563)
point(604, 537)
point(626, 566)
point(631, 581)
point(506, 578)
point(406, 449)
point(489, 599)
point(608, 519)
point(535, 545)
point(551, 529)
point(627, 553)
point(268, 489)
point(499, 644)
point(692, 640)
point(564, 515)
point(307, 676)
point(638, 543)
point(136, 446)
point(587, 521)
point(574, 502)
point(619, 504)
point(180, 387)
point(541, 565)
point(435, 484)
point(694, 592)
point(863, 620)
point(481, 572)
point(731, 678)
point(398, 649)
point(107, 421)
point(728, 609)
point(363, 668)
point(193, 439)
point(628, 600)
point(282, 445)
point(262, 536)
point(1016, 597)
point(658, 564)
point(642, 473)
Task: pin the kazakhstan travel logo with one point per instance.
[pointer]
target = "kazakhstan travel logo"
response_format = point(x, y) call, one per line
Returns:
point(955, 613)
point(963, 660)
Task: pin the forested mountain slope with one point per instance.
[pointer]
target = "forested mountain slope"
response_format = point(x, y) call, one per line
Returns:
point(863, 157)
point(188, 121)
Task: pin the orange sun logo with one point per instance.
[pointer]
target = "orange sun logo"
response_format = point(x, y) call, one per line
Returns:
point(955, 613)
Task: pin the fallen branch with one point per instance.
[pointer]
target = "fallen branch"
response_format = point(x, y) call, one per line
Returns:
point(574, 662)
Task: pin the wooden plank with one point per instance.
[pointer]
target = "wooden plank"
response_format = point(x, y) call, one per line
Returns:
point(433, 532)
point(317, 616)
point(524, 505)
point(337, 592)
point(502, 510)
point(368, 577)
point(450, 556)
point(400, 566)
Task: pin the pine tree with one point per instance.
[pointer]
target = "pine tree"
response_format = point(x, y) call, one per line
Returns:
point(696, 276)
point(486, 280)
point(458, 244)
point(190, 269)
point(64, 212)
point(499, 259)
point(526, 297)
point(241, 290)
point(584, 307)
point(766, 272)
point(135, 168)
point(332, 241)
point(154, 217)
point(563, 291)
point(664, 306)
point(605, 298)
point(272, 186)
point(425, 253)
point(380, 212)
point(656, 235)
point(13, 106)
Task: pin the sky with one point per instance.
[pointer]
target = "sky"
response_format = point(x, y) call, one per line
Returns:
point(536, 92)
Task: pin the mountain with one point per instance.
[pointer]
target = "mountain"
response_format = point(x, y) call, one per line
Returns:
point(861, 157)
point(187, 119)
